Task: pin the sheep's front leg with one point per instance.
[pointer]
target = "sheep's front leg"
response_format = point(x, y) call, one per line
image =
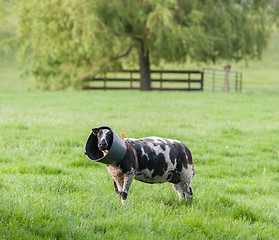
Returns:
point(128, 178)
point(116, 188)
point(118, 185)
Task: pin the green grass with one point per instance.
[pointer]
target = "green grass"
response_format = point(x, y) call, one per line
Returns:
point(50, 190)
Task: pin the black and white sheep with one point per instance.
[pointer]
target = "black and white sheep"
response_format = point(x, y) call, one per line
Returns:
point(150, 160)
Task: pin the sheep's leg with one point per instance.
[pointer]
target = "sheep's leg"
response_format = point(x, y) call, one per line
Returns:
point(118, 185)
point(128, 178)
point(177, 187)
point(183, 188)
point(116, 188)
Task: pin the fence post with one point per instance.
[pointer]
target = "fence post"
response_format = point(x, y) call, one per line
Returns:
point(240, 83)
point(213, 82)
point(236, 82)
point(189, 86)
point(161, 81)
point(131, 79)
point(105, 81)
point(227, 69)
point(201, 81)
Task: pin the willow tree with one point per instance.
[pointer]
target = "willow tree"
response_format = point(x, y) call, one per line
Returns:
point(73, 39)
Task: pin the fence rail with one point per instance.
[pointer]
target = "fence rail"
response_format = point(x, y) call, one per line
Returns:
point(160, 80)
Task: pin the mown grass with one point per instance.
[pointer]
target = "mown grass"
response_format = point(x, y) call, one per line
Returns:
point(50, 190)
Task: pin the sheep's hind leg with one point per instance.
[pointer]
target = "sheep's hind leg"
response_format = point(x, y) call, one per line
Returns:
point(183, 188)
point(183, 191)
point(177, 187)
point(186, 177)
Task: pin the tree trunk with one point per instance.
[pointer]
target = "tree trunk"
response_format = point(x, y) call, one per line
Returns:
point(145, 80)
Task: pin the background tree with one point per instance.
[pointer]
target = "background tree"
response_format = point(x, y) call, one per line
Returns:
point(72, 40)
point(6, 25)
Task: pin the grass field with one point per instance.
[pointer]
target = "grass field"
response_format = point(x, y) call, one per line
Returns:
point(50, 190)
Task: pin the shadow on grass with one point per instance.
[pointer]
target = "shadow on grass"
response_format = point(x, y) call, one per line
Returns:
point(174, 202)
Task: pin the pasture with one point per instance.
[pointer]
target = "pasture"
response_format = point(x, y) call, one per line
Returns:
point(50, 190)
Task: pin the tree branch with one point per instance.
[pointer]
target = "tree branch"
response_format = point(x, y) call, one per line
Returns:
point(125, 54)
point(104, 64)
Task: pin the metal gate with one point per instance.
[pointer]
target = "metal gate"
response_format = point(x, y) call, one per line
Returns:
point(223, 80)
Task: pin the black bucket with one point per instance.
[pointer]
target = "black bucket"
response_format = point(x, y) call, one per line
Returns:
point(115, 154)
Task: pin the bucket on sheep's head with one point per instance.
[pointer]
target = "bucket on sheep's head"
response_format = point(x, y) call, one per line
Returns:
point(115, 154)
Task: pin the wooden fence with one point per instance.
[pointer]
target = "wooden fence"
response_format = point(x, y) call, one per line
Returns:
point(160, 80)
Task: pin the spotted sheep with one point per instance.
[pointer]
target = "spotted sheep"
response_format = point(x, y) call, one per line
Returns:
point(150, 160)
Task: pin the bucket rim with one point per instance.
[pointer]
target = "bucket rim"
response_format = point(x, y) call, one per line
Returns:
point(115, 154)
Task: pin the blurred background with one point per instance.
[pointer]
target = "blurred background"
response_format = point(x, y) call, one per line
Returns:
point(52, 45)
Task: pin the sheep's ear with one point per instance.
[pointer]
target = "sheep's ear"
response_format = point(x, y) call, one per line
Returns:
point(95, 131)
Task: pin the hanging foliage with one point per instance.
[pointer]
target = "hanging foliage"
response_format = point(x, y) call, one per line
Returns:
point(70, 40)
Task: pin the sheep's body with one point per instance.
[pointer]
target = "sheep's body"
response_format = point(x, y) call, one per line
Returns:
point(154, 160)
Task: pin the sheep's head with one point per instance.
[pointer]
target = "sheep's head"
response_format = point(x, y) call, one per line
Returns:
point(104, 146)
point(105, 138)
